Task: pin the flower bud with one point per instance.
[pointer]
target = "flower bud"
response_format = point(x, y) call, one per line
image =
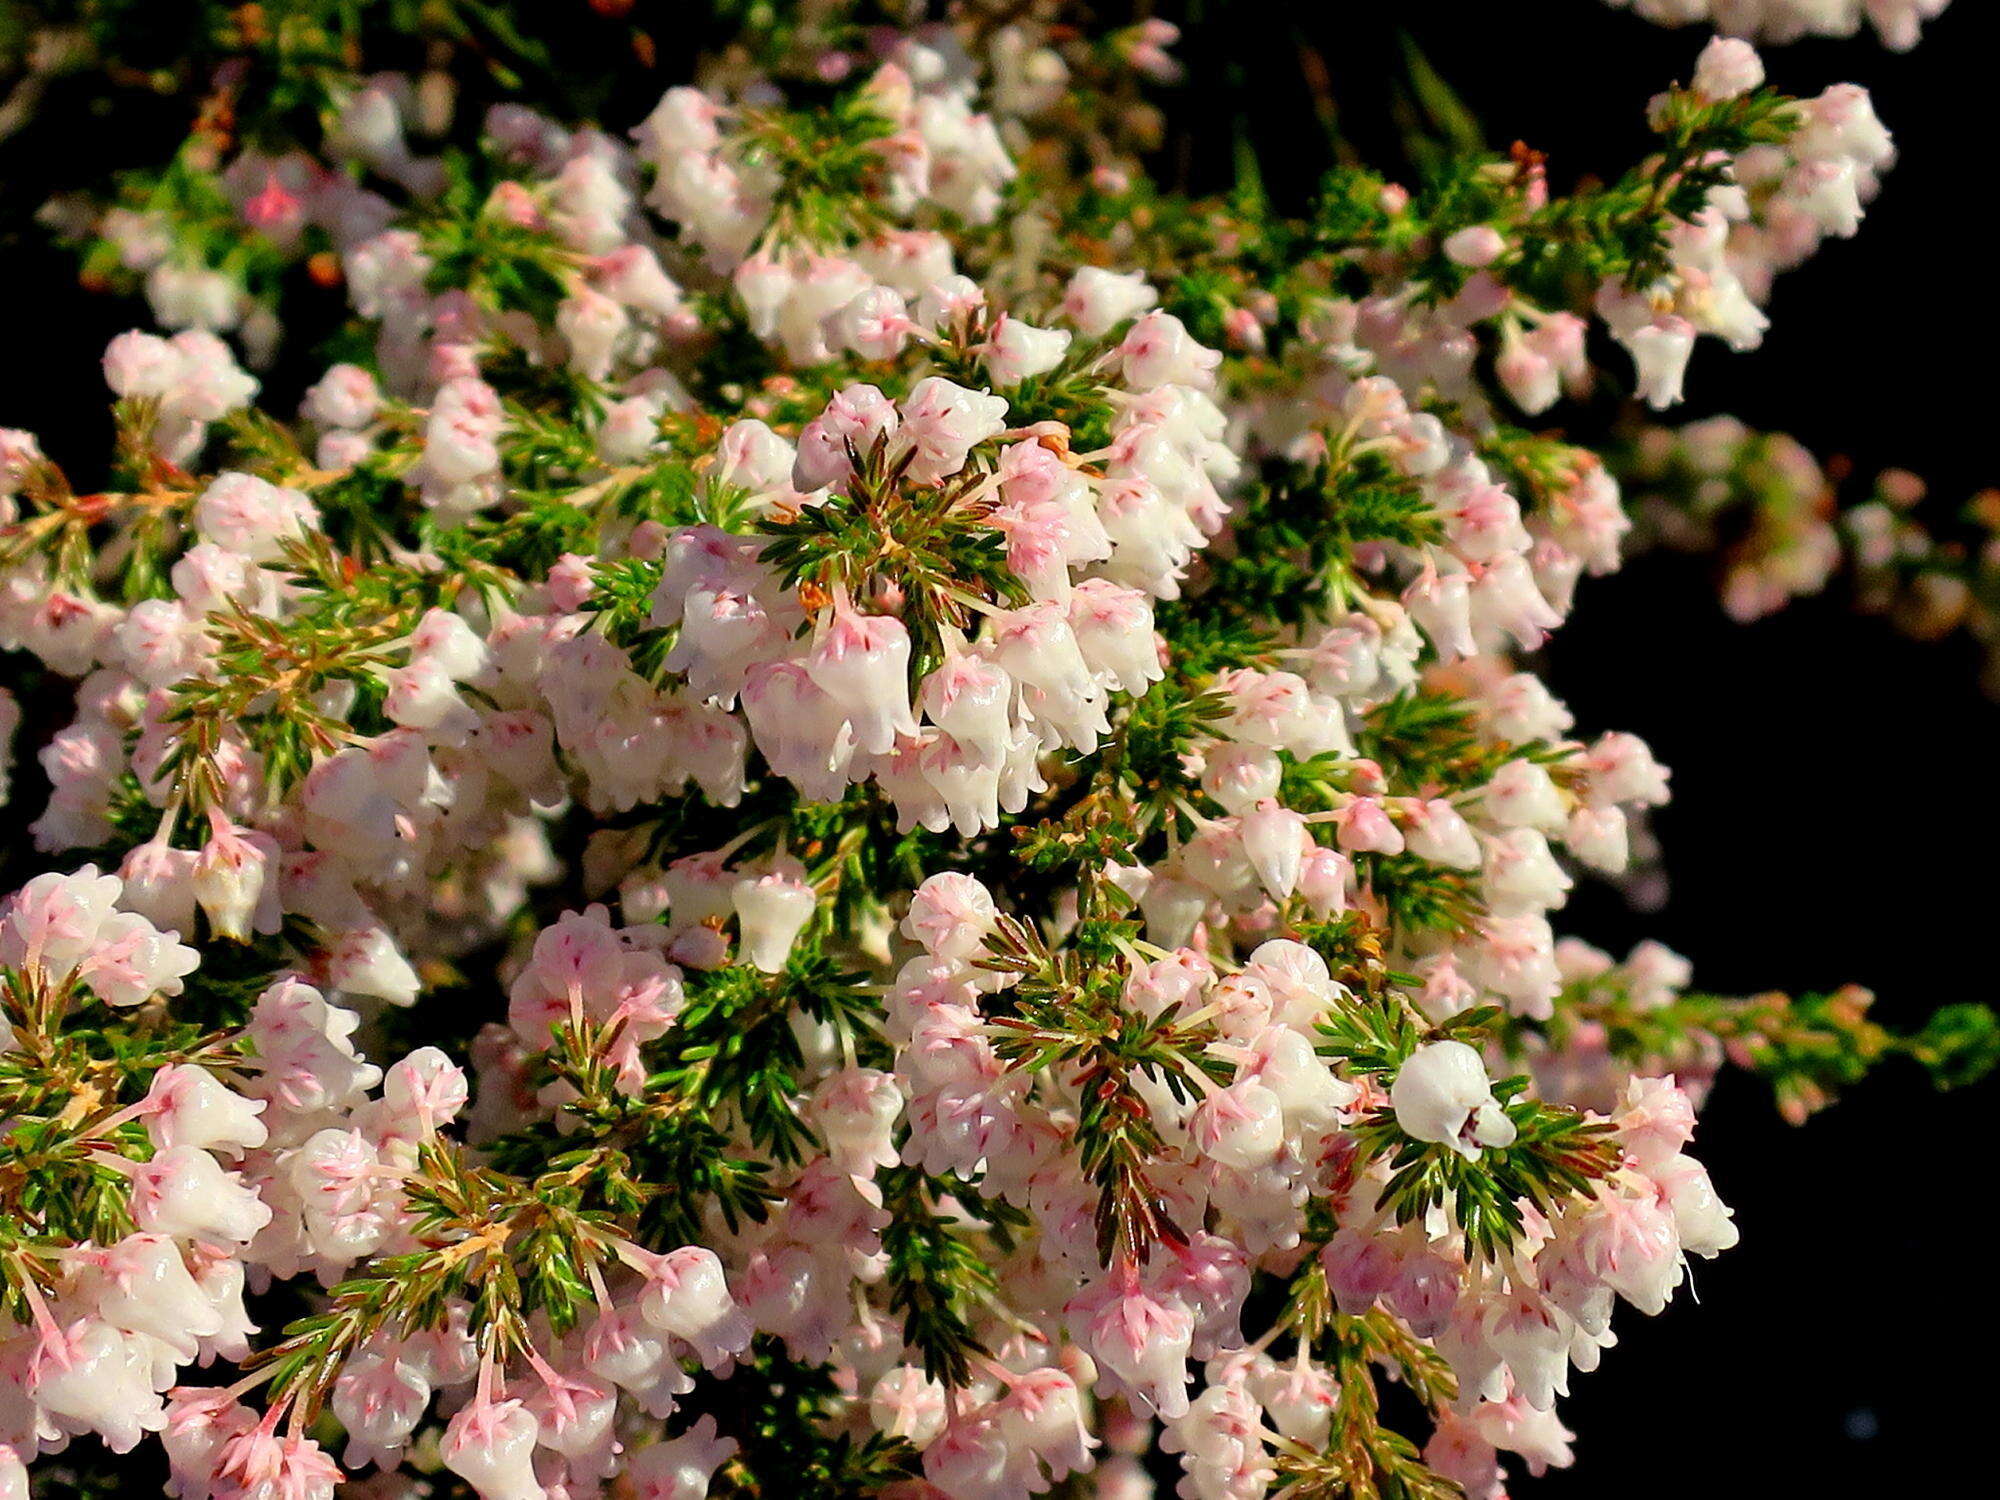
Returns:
point(1727, 68)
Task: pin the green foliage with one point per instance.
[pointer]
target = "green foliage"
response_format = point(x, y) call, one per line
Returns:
point(653, 1159)
point(935, 1275)
point(1620, 230)
point(505, 266)
point(1364, 1459)
point(67, 1078)
point(1808, 1048)
point(1292, 554)
point(778, 1410)
point(1557, 1153)
point(509, 1248)
point(1958, 1045)
point(270, 673)
point(1069, 1015)
point(517, 1229)
point(828, 167)
point(932, 548)
point(733, 1052)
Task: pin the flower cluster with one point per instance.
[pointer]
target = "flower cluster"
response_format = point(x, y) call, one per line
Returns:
point(827, 821)
point(1797, 523)
point(1897, 22)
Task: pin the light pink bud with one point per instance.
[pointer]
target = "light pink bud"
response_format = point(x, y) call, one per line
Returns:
point(1475, 245)
point(1728, 67)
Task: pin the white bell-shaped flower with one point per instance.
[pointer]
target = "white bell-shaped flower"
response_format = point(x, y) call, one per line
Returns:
point(680, 1468)
point(772, 909)
point(862, 662)
point(1442, 1094)
point(491, 1446)
point(688, 1296)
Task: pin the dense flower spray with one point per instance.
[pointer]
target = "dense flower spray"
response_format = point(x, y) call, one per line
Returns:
point(1898, 23)
point(854, 811)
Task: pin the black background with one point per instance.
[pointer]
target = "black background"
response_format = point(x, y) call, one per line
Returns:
point(1835, 802)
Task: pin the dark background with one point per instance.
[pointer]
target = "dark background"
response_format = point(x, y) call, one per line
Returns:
point(1834, 798)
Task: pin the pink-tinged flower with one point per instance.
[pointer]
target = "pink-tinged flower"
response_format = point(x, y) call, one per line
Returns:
point(1276, 842)
point(253, 517)
point(236, 880)
point(906, 1403)
point(1660, 353)
point(1017, 351)
point(687, 1295)
point(1364, 827)
point(92, 1377)
point(943, 422)
point(1630, 1243)
point(275, 209)
point(379, 1398)
point(187, 1105)
point(802, 730)
point(852, 423)
point(461, 435)
point(183, 1191)
point(1097, 300)
point(973, 1460)
point(950, 915)
point(862, 662)
point(1158, 350)
point(262, 1465)
point(971, 699)
point(772, 908)
point(680, 1468)
point(875, 324)
point(1140, 1341)
point(491, 1446)
point(1043, 1413)
point(1242, 1126)
point(199, 1421)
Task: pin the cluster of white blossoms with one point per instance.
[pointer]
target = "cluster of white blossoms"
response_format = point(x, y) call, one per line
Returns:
point(1897, 22)
point(971, 860)
point(1245, 1153)
point(1780, 203)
